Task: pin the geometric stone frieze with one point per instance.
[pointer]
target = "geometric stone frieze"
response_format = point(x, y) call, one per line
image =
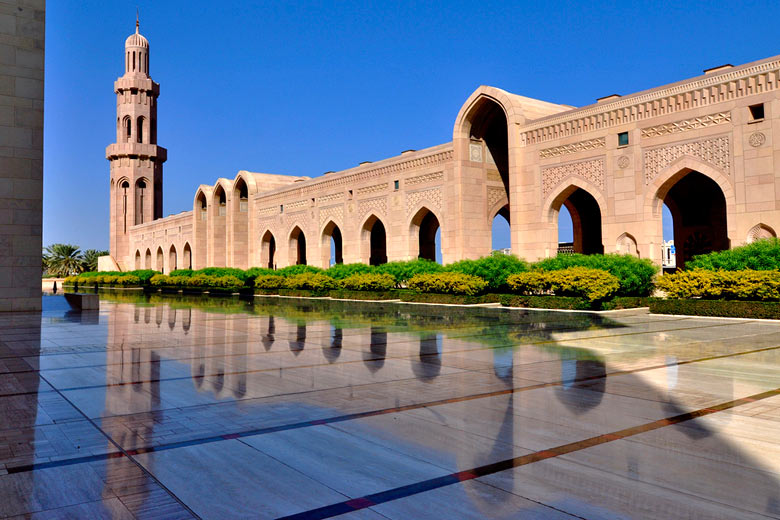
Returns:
point(377, 205)
point(426, 177)
point(556, 151)
point(715, 150)
point(592, 171)
point(431, 198)
point(685, 125)
point(335, 213)
point(495, 194)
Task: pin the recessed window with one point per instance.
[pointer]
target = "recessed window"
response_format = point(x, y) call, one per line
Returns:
point(623, 139)
point(396, 185)
point(757, 112)
point(281, 208)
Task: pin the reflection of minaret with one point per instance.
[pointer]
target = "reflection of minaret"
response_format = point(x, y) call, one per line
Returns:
point(296, 346)
point(378, 348)
point(430, 358)
point(504, 364)
point(268, 337)
point(333, 351)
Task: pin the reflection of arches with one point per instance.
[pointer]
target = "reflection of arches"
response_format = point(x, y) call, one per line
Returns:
point(297, 247)
point(429, 365)
point(333, 351)
point(626, 245)
point(586, 211)
point(187, 259)
point(375, 358)
point(332, 232)
point(297, 345)
point(148, 260)
point(137, 259)
point(160, 266)
point(576, 374)
point(172, 259)
point(698, 208)
point(374, 241)
point(268, 250)
point(760, 232)
point(422, 232)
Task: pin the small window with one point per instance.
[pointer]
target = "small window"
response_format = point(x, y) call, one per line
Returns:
point(757, 112)
point(623, 139)
point(281, 208)
point(350, 194)
point(396, 185)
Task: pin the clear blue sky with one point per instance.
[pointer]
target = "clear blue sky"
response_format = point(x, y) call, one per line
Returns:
point(305, 88)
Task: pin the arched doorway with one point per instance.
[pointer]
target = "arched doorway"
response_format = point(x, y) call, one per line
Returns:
point(500, 230)
point(240, 238)
point(137, 259)
point(332, 245)
point(187, 256)
point(160, 259)
point(375, 237)
point(201, 231)
point(425, 234)
point(585, 221)
point(297, 247)
point(698, 210)
point(148, 260)
point(268, 250)
point(219, 227)
point(173, 263)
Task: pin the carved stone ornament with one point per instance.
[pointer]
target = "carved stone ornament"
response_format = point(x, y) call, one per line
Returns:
point(756, 139)
point(623, 162)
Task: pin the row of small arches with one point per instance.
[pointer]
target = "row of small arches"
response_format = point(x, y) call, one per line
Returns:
point(145, 261)
point(144, 131)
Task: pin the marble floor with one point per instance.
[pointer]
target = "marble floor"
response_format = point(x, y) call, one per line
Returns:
point(180, 407)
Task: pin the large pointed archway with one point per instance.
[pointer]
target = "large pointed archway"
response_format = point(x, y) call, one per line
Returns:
point(374, 241)
point(425, 235)
point(297, 247)
point(332, 245)
point(586, 220)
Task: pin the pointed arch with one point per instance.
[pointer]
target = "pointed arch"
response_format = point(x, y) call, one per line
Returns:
point(760, 232)
point(173, 259)
point(626, 244)
point(144, 206)
point(160, 265)
point(424, 227)
point(268, 250)
point(187, 256)
point(239, 227)
point(373, 241)
point(331, 232)
point(297, 247)
point(219, 231)
point(200, 225)
point(138, 264)
point(586, 205)
point(148, 259)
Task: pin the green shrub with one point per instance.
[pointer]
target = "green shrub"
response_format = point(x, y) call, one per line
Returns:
point(634, 275)
point(403, 271)
point(457, 299)
point(494, 269)
point(254, 272)
point(143, 274)
point(341, 271)
point(269, 281)
point(761, 255)
point(223, 271)
point(88, 278)
point(447, 283)
point(182, 272)
point(310, 282)
point(548, 302)
point(292, 270)
point(583, 282)
point(724, 308)
point(727, 285)
point(71, 280)
point(368, 282)
point(127, 279)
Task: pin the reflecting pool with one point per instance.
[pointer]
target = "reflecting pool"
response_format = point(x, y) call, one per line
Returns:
point(179, 407)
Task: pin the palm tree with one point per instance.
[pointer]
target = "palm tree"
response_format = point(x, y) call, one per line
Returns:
point(62, 259)
point(90, 259)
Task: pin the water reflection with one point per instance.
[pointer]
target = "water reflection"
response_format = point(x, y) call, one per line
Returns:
point(374, 359)
point(333, 351)
point(297, 345)
point(430, 358)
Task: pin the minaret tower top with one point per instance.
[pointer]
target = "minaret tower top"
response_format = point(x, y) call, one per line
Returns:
point(136, 159)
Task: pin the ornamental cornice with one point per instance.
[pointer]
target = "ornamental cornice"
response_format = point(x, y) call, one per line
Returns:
point(686, 95)
point(685, 125)
point(566, 149)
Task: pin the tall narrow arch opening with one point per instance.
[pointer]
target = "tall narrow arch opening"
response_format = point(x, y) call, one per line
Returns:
point(240, 228)
point(124, 186)
point(143, 206)
point(128, 124)
point(173, 260)
point(148, 259)
point(425, 234)
point(696, 207)
point(585, 212)
point(201, 231)
point(219, 227)
point(500, 230)
point(160, 259)
point(297, 247)
point(332, 245)
point(139, 129)
point(138, 264)
point(268, 250)
point(187, 257)
point(374, 241)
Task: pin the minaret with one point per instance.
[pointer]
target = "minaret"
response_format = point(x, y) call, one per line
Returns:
point(136, 160)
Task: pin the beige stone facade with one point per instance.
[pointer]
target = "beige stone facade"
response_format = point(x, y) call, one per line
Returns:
point(22, 35)
point(705, 147)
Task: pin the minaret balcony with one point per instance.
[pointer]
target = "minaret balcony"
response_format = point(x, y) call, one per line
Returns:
point(116, 150)
point(136, 82)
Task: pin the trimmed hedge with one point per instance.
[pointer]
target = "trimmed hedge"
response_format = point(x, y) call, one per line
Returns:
point(494, 269)
point(368, 282)
point(310, 282)
point(634, 275)
point(304, 293)
point(271, 281)
point(341, 271)
point(292, 270)
point(345, 294)
point(198, 281)
point(761, 255)
point(549, 302)
point(405, 271)
point(579, 282)
point(447, 283)
point(459, 299)
point(719, 308)
point(726, 285)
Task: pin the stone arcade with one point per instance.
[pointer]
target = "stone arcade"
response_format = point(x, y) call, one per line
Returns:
point(704, 147)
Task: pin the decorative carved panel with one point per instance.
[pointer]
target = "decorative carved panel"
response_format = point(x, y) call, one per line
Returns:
point(427, 177)
point(715, 151)
point(431, 198)
point(592, 171)
point(556, 151)
point(687, 124)
point(378, 205)
point(335, 213)
point(495, 194)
